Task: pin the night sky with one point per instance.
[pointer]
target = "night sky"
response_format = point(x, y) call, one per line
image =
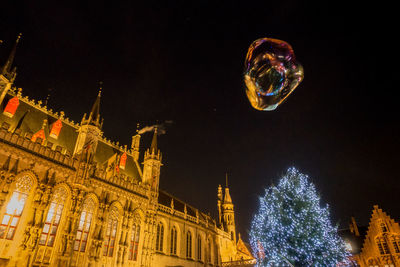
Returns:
point(183, 61)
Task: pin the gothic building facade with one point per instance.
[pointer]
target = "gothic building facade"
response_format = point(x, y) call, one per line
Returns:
point(71, 197)
point(377, 245)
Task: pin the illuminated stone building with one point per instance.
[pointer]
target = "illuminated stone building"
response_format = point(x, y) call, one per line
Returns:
point(377, 245)
point(71, 197)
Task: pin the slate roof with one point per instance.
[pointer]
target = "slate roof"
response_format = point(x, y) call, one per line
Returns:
point(33, 121)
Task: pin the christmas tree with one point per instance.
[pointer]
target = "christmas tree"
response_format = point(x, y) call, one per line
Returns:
point(291, 227)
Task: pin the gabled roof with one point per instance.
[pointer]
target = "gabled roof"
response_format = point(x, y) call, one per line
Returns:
point(243, 247)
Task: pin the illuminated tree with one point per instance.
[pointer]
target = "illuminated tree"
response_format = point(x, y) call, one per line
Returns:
point(291, 228)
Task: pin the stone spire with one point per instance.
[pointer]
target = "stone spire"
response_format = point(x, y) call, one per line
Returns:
point(152, 163)
point(89, 131)
point(227, 198)
point(7, 70)
point(228, 213)
point(94, 115)
point(7, 73)
point(136, 144)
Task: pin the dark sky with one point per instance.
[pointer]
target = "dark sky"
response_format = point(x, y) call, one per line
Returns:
point(183, 61)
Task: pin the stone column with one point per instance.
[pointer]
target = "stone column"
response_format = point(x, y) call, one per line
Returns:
point(5, 183)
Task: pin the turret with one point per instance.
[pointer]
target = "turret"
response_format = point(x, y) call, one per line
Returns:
point(89, 131)
point(136, 144)
point(219, 205)
point(152, 164)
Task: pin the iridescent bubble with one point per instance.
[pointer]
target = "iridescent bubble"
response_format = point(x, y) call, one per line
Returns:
point(271, 73)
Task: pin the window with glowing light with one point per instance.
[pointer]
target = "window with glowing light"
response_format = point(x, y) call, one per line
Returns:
point(53, 218)
point(55, 129)
point(49, 231)
point(160, 237)
point(189, 245)
point(15, 207)
point(11, 107)
point(134, 242)
point(84, 224)
point(39, 134)
point(174, 234)
point(111, 233)
point(122, 161)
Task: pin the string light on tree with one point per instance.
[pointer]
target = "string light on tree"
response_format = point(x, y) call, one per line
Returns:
point(293, 229)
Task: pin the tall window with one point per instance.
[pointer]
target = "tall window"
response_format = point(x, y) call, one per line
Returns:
point(134, 243)
point(396, 243)
point(382, 245)
point(199, 247)
point(160, 237)
point(85, 221)
point(15, 207)
point(208, 251)
point(50, 227)
point(111, 232)
point(53, 218)
point(216, 255)
point(188, 244)
point(173, 240)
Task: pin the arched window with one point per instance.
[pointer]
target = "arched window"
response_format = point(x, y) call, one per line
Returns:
point(396, 243)
point(85, 221)
point(49, 231)
point(189, 245)
point(372, 263)
point(53, 218)
point(134, 243)
point(160, 237)
point(173, 240)
point(382, 245)
point(111, 232)
point(383, 227)
point(199, 247)
point(15, 207)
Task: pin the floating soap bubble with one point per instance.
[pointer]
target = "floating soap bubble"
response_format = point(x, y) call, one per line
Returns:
point(271, 73)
